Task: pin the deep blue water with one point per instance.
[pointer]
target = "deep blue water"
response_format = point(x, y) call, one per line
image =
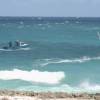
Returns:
point(63, 54)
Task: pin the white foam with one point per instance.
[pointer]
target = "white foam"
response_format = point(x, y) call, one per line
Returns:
point(90, 87)
point(84, 87)
point(33, 76)
point(6, 50)
point(23, 44)
point(15, 49)
point(25, 49)
point(44, 62)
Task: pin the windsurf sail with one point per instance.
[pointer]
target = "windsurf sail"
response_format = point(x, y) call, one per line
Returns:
point(98, 33)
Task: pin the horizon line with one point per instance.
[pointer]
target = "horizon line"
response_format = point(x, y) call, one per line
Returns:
point(57, 16)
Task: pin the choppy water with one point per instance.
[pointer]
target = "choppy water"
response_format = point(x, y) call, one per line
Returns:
point(63, 54)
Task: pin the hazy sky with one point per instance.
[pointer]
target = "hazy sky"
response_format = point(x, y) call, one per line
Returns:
point(75, 8)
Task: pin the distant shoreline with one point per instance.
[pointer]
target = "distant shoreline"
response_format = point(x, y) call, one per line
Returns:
point(51, 16)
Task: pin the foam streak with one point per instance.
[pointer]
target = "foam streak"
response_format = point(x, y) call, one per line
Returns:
point(44, 62)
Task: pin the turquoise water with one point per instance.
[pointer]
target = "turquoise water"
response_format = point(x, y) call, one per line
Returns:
point(63, 54)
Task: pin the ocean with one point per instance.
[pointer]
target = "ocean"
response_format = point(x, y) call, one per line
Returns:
point(63, 54)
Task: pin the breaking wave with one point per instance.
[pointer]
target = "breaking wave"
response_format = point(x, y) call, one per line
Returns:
point(84, 87)
point(33, 76)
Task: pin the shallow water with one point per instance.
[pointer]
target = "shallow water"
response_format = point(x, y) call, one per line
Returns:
point(63, 54)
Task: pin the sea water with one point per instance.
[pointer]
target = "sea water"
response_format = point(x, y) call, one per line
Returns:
point(63, 54)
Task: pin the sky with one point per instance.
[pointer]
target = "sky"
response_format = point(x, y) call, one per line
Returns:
point(51, 8)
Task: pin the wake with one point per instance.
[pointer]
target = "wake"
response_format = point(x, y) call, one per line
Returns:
point(21, 49)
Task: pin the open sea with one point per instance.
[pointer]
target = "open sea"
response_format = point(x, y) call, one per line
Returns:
point(63, 54)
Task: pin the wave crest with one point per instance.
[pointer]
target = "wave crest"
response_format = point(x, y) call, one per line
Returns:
point(44, 62)
point(33, 76)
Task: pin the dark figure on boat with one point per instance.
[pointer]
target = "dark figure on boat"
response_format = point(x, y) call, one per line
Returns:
point(12, 45)
point(17, 43)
